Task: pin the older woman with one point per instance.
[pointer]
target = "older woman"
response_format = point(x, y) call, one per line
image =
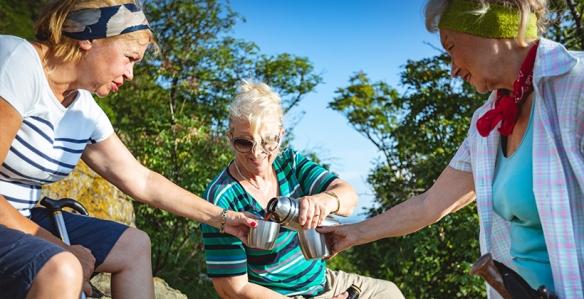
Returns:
point(49, 121)
point(523, 157)
point(258, 173)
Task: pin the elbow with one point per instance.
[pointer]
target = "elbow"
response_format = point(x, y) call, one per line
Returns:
point(231, 292)
point(226, 293)
point(431, 213)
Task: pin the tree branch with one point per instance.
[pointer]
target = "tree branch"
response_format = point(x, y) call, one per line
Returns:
point(577, 22)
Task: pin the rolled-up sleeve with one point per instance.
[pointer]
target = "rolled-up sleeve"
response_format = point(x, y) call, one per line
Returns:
point(461, 160)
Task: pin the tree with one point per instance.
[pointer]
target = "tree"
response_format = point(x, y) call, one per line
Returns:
point(17, 16)
point(566, 23)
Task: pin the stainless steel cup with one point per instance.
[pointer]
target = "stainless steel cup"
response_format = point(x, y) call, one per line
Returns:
point(264, 235)
point(313, 244)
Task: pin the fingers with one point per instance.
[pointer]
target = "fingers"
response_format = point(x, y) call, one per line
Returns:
point(323, 215)
point(336, 238)
point(237, 218)
point(87, 288)
point(248, 221)
point(305, 211)
point(312, 212)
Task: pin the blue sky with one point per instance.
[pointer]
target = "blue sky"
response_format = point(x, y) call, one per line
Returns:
point(340, 38)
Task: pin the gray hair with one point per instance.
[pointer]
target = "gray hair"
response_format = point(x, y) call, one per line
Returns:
point(257, 103)
point(435, 9)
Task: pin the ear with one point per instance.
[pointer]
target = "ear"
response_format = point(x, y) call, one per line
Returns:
point(85, 45)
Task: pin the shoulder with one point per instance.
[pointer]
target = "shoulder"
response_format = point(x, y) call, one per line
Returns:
point(221, 190)
point(86, 102)
point(86, 109)
point(287, 154)
point(288, 159)
point(13, 48)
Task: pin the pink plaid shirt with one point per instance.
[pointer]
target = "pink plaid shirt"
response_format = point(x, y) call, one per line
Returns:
point(558, 168)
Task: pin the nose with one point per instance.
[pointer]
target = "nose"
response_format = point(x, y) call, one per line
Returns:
point(257, 150)
point(454, 70)
point(129, 73)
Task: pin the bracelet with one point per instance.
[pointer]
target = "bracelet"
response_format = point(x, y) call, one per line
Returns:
point(223, 221)
point(333, 195)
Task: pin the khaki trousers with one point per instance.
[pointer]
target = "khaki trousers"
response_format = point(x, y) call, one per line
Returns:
point(338, 281)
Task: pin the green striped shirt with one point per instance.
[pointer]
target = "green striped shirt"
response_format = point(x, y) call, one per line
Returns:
point(282, 269)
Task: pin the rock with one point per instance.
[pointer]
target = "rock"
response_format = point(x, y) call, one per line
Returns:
point(105, 201)
point(161, 289)
point(102, 199)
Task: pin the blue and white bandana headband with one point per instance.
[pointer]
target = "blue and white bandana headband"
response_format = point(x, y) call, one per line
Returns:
point(95, 23)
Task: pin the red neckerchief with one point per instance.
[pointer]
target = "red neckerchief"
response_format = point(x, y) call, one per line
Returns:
point(507, 105)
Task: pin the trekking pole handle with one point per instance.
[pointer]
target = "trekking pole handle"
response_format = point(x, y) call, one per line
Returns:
point(56, 206)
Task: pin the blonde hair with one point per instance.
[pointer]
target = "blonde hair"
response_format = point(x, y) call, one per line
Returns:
point(258, 104)
point(49, 26)
point(435, 8)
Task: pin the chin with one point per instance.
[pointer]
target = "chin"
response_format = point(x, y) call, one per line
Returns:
point(482, 89)
point(102, 92)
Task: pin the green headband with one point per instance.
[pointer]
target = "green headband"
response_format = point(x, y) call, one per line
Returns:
point(498, 22)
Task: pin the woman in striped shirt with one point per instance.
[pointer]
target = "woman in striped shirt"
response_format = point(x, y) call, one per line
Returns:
point(258, 173)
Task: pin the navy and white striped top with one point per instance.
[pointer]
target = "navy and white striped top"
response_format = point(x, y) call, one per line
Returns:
point(52, 137)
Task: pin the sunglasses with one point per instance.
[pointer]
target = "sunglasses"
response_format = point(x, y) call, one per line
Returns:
point(244, 145)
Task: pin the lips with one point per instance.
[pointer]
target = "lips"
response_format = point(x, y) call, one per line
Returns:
point(116, 86)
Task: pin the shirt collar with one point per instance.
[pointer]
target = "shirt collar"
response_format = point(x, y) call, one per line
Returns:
point(553, 59)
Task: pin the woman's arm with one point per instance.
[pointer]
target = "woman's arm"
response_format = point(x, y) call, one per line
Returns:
point(315, 208)
point(112, 160)
point(452, 191)
point(237, 287)
point(10, 217)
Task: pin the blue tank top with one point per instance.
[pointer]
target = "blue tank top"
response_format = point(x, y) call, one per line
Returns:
point(514, 200)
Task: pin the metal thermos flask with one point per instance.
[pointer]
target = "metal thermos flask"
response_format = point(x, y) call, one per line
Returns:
point(284, 210)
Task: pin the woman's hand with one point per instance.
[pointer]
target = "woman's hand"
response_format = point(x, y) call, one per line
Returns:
point(314, 209)
point(87, 261)
point(238, 224)
point(341, 237)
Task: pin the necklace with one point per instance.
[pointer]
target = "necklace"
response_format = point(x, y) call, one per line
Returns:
point(255, 185)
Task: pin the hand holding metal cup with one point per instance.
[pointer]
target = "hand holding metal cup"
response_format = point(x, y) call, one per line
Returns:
point(264, 235)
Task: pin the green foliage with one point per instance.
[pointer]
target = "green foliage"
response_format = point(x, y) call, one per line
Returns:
point(566, 23)
point(417, 132)
point(16, 16)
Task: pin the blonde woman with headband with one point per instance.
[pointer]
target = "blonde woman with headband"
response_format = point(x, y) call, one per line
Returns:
point(50, 120)
point(261, 171)
point(523, 158)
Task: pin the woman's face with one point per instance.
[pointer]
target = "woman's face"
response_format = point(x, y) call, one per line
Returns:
point(110, 63)
point(267, 144)
point(474, 59)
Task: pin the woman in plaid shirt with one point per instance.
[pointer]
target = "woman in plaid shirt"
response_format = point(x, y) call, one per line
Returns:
point(523, 157)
